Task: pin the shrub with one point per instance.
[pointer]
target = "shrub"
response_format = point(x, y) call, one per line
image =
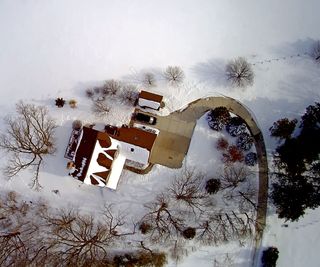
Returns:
point(270, 257)
point(145, 228)
point(100, 108)
point(60, 102)
point(315, 52)
point(73, 103)
point(218, 118)
point(236, 126)
point(111, 87)
point(189, 233)
point(213, 186)
point(239, 72)
point(244, 141)
point(251, 159)
point(233, 154)
point(76, 125)
point(129, 94)
point(222, 144)
point(149, 79)
point(89, 93)
point(174, 74)
point(283, 128)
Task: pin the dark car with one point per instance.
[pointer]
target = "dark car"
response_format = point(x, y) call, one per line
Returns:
point(145, 118)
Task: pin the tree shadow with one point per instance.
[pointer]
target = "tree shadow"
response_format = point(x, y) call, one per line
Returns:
point(211, 72)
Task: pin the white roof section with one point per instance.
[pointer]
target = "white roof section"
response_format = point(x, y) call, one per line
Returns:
point(148, 103)
point(116, 170)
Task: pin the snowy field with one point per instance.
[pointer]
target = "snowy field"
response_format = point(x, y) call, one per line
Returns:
point(51, 49)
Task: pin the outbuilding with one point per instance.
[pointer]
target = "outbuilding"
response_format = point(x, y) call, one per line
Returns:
point(149, 100)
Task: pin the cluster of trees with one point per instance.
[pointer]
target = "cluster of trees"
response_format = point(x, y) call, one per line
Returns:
point(297, 166)
point(33, 234)
point(187, 208)
point(219, 119)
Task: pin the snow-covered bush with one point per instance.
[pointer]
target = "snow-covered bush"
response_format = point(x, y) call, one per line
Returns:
point(244, 141)
point(72, 103)
point(189, 233)
point(217, 118)
point(174, 74)
point(251, 159)
point(76, 125)
point(111, 87)
point(315, 52)
point(60, 102)
point(213, 186)
point(222, 144)
point(100, 108)
point(239, 72)
point(129, 94)
point(233, 154)
point(236, 126)
point(270, 257)
point(149, 79)
point(89, 93)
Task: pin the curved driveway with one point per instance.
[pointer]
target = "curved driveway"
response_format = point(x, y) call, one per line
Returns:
point(176, 132)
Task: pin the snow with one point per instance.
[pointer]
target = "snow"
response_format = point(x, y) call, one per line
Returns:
point(116, 170)
point(60, 48)
point(148, 103)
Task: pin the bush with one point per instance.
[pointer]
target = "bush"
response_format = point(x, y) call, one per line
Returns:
point(251, 159)
point(222, 144)
point(233, 154)
point(213, 186)
point(73, 103)
point(89, 93)
point(76, 125)
point(236, 126)
point(141, 259)
point(283, 128)
point(244, 141)
point(145, 228)
point(239, 72)
point(270, 257)
point(100, 108)
point(189, 233)
point(60, 102)
point(218, 118)
point(129, 94)
point(149, 79)
point(111, 87)
point(315, 52)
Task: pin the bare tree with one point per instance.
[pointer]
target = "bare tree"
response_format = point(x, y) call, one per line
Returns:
point(188, 189)
point(174, 74)
point(239, 72)
point(315, 52)
point(165, 224)
point(28, 138)
point(149, 79)
point(129, 94)
point(111, 87)
point(233, 175)
point(21, 243)
point(80, 240)
point(100, 108)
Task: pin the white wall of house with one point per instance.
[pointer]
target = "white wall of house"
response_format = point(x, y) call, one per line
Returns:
point(148, 103)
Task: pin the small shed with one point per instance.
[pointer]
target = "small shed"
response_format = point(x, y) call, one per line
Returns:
point(149, 100)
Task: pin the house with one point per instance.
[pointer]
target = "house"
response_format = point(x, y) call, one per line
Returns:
point(99, 157)
point(150, 100)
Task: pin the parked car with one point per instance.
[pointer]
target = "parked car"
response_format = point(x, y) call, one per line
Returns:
point(145, 118)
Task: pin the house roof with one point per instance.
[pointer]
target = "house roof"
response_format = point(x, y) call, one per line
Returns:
point(135, 136)
point(150, 96)
point(94, 148)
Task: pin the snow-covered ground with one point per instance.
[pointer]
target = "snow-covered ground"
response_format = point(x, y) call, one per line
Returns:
point(59, 48)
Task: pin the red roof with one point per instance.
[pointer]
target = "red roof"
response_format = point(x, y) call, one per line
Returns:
point(150, 96)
